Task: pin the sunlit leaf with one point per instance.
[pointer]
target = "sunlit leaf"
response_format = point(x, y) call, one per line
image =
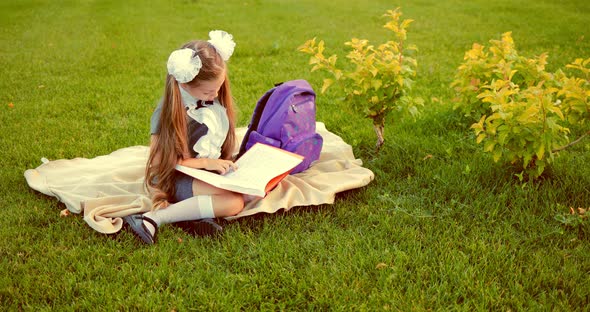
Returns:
point(480, 137)
point(327, 83)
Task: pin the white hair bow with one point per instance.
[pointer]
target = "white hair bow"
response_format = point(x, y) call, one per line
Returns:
point(184, 65)
point(223, 43)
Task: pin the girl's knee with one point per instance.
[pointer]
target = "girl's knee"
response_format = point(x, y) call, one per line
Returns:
point(237, 203)
point(228, 204)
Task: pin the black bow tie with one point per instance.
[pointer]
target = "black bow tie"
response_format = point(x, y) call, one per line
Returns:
point(203, 103)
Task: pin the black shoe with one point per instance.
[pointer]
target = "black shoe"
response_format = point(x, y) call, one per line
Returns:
point(203, 227)
point(136, 223)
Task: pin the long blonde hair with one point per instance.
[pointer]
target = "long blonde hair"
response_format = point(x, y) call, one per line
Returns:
point(171, 145)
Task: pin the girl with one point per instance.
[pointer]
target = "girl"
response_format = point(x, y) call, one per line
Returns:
point(194, 125)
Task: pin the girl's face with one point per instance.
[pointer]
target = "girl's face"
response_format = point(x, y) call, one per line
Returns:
point(207, 89)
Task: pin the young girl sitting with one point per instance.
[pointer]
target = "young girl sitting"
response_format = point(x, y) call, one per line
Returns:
point(193, 125)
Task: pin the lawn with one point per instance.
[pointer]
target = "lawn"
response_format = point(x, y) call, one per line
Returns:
point(442, 227)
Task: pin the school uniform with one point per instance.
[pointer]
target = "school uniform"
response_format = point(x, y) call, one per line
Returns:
point(207, 128)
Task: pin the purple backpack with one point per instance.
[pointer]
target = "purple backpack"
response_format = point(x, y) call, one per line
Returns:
point(284, 117)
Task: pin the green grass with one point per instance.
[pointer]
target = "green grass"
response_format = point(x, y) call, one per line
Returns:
point(449, 231)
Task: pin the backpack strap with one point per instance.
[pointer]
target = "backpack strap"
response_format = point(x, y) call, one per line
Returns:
point(260, 105)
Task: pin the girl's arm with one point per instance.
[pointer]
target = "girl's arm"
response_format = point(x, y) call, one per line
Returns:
point(220, 165)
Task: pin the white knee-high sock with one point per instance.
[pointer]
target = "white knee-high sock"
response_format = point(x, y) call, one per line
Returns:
point(194, 208)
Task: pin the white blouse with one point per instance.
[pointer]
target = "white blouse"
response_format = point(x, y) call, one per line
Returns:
point(214, 117)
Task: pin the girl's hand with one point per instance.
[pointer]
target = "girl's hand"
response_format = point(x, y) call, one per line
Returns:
point(220, 165)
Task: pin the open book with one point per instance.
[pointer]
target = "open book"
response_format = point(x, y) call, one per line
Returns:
point(260, 169)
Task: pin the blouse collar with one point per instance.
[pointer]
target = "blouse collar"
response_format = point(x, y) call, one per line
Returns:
point(187, 98)
point(190, 101)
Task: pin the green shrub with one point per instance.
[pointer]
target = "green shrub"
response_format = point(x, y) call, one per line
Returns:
point(378, 79)
point(524, 112)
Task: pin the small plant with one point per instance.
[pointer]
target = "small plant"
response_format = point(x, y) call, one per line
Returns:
point(524, 111)
point(500, 62)
point(576, 219)
point(380, 77)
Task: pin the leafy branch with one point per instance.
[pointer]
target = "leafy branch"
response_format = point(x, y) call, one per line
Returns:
point(378, 79)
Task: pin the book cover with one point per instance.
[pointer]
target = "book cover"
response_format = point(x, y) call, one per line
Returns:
point(260, 169)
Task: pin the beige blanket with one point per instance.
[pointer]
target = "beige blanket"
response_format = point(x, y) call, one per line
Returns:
point(109, 187)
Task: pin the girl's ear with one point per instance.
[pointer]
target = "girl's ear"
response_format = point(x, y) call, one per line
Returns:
point(184, 86)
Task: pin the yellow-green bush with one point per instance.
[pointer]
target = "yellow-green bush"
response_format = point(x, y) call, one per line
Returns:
point(379, 78)
point(524, 112)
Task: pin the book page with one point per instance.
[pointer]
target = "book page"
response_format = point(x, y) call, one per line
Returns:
point(259, 165)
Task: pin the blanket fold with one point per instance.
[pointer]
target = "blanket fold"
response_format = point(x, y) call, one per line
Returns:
point(108, 187)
